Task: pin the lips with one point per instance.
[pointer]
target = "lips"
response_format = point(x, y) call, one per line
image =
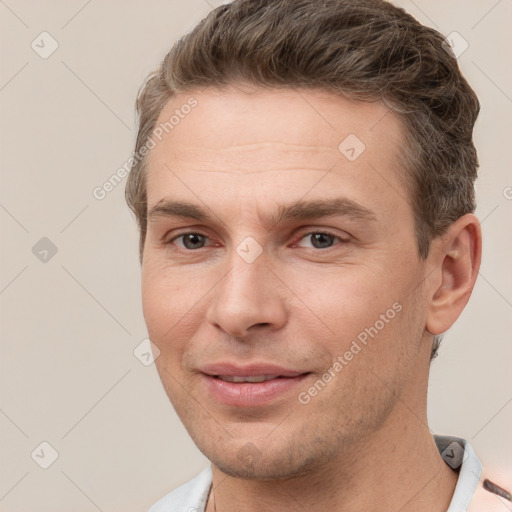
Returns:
point(251, 385)
point(251, 370)
point(253, 378)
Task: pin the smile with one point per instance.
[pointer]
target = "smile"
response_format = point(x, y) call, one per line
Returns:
point(236, 378)
point(252, 390)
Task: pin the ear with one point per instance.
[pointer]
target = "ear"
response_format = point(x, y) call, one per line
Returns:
point(455, 261)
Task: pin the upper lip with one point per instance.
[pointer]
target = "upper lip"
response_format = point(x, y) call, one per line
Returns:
point(250, 370)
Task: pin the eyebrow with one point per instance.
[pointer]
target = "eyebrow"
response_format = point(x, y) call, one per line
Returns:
point(298, 210)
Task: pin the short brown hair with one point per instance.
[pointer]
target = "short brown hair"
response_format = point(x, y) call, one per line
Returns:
point(367, 50)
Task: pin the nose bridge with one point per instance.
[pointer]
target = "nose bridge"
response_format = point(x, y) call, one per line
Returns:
point(246, 295)
point(244, 285)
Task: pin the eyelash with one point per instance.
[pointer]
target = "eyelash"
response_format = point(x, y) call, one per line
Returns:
point(304, 235)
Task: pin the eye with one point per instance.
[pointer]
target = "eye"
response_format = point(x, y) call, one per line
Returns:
point(190, 241)
point(318, 240)
point(321, 239)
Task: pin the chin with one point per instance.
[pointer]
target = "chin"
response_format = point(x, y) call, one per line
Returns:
point(263, 470)
point(271, 463)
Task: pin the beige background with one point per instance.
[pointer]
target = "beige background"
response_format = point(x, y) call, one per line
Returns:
point(70, 325)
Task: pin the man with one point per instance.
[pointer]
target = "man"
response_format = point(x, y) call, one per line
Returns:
point(303, 182)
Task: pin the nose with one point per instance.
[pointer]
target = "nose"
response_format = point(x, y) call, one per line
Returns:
point(249, 298)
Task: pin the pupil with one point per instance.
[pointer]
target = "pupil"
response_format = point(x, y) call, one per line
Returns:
point(195, 239)
point(323, 239)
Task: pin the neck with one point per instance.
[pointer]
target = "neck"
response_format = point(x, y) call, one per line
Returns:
point(396, 468)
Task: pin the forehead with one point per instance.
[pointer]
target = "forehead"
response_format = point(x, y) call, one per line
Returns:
point(260, 139)
point(313, 120)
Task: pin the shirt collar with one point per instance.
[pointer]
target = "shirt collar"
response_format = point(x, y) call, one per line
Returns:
point(459, 455)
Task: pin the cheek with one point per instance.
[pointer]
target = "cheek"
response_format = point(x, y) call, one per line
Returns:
point(174, 307)
point(360, 313)
point(164, 301)
point(154, 300)
point(344, 301)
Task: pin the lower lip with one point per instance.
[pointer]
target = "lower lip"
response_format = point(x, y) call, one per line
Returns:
point(251, 394)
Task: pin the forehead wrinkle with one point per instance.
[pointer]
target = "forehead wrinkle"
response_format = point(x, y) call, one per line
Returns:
point(205, 165)
point(257, 147)
point(275, 145)
point(261, 171)
point(252, 158)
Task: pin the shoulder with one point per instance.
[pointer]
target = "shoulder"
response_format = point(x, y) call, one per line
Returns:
point(189, 497)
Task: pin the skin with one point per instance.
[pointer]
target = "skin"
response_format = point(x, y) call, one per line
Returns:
point(362, 443)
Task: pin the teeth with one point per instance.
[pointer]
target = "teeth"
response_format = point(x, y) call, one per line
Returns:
point(254, 378)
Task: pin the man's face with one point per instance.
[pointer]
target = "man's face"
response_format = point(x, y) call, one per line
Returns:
point(246, 291)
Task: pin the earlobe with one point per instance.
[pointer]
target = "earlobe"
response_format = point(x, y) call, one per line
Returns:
point(458, 255)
